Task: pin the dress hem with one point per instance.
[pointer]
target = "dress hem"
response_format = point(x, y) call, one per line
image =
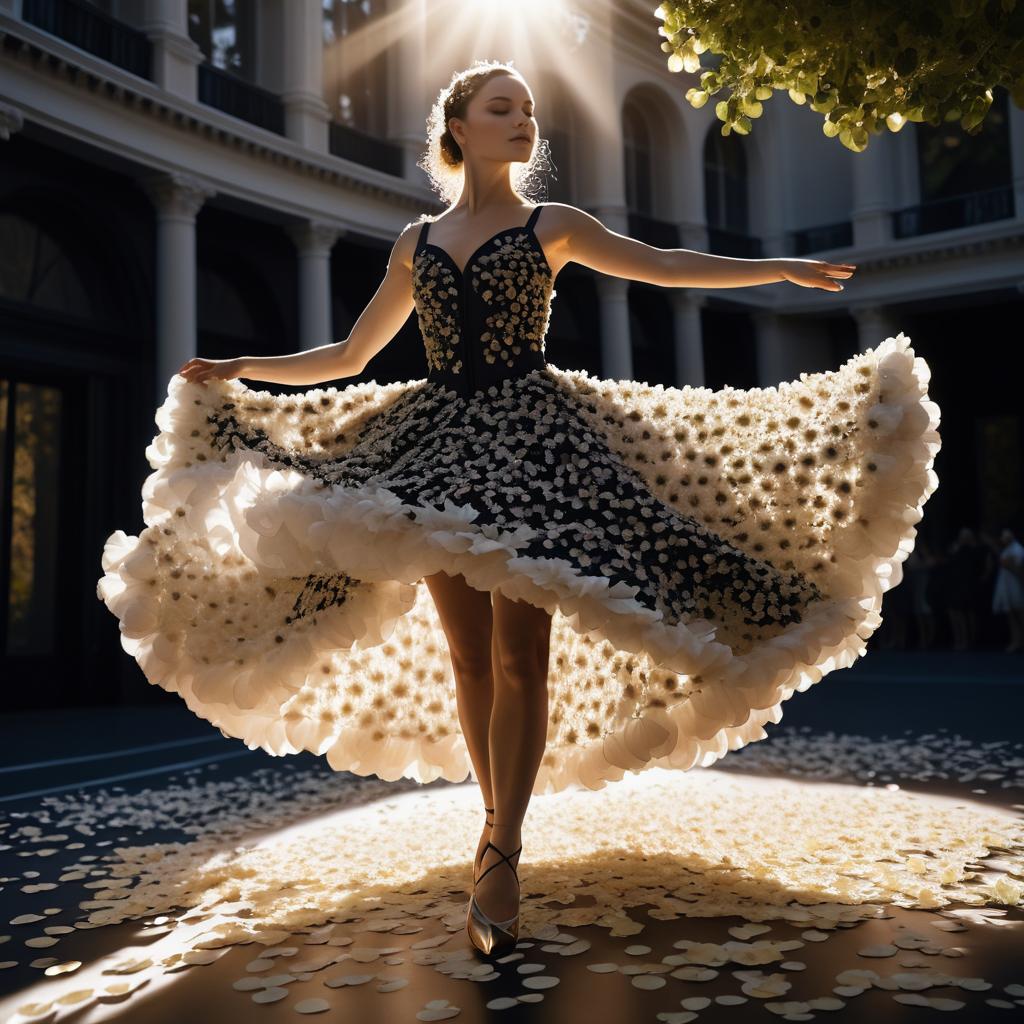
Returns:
point(284, 521)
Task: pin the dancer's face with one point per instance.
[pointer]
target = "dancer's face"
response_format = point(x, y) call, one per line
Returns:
point(501, 110)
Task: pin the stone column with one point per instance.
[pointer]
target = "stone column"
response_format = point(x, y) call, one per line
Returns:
point(306, 114)
point(177, 198)
point(413, 84)
point(11, 121)
point(1016, 119)
point(616, 344)
point(175, 55)
point(874, 325)
point(689, 338)
point(769, 189)
point(874, 191)
point(314, 240)
point(772, 357)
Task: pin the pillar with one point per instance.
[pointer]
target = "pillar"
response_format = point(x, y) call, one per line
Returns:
point(1016, 119)
point(314, 241)
point(413, 84)
point(306, 115)
point(773, 360)
point(769, 188)
point(616, 342)
point(11, 120)
point(873, 192)
point(175, 55)
point(178, 199)
point(874, 325)
point(688, 337)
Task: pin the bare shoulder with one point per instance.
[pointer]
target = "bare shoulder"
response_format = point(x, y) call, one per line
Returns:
point(563, 222)
point(405, 245)
point(560, 230)
point(567, 215)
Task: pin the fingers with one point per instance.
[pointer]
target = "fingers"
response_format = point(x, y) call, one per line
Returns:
point(834, 270)
point(196, 370)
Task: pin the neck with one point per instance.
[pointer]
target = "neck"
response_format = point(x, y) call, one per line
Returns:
point(484, 186)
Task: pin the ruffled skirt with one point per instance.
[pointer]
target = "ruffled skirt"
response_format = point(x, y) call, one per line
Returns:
point(704, 555)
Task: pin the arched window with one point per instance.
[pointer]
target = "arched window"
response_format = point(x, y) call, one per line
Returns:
point(35, 269)
point(636, 139)
point(355, 63)
point(725, 182)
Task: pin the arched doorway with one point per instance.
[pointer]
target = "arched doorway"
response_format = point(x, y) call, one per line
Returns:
point(72, 345)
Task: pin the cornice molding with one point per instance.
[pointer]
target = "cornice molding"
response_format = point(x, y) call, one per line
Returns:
point(20, 43)
point(932, 249)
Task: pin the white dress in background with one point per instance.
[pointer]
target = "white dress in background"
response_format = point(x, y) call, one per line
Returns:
point(1008, 592)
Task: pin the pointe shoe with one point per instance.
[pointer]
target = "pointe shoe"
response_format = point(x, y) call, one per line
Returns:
point(487, 935)
point(477, 860)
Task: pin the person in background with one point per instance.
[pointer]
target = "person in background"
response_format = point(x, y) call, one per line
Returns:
point(1008, 595)
point(917, 569)
point(966, 570)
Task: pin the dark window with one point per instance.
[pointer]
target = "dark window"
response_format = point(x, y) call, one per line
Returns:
point(952, 163)
point(637, 144)
point(725, 182)
point(225, 30)
point(34, 269)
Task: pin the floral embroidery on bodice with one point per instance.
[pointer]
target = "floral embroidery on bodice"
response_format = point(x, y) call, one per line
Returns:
point(487, 322)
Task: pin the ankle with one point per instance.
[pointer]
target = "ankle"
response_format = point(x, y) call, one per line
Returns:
point(506, 835)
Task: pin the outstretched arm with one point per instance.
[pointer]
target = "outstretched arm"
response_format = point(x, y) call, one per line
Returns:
point(379, 322)
point(584, 239)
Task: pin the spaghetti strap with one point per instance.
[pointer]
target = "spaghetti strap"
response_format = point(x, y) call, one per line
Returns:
point(422, 240)
point(533, 216)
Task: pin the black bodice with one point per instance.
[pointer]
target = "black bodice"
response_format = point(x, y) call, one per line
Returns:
point(487, 322)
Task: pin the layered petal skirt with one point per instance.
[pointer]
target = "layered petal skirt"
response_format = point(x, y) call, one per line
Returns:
point(704, 554)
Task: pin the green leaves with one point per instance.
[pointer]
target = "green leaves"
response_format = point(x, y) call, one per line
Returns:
point(861, 64)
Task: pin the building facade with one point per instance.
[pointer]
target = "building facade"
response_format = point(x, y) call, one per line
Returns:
point(182, 177)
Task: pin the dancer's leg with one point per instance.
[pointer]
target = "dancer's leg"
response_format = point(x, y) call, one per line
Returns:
point(519, 722)
point(465, 614)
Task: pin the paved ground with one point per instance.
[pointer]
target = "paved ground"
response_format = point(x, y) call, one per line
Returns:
point(78, 789)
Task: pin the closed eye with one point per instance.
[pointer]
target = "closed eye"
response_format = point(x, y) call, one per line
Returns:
point(505, 110)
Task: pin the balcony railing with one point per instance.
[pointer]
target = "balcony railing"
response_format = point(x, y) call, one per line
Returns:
point(661, 233)
point(365, 149)
point(954, 212)
point(241, 99)
point(824, 236)
point(731, 243)
point(91, 30)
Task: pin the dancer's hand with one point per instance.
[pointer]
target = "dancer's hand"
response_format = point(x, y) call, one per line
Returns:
point(199, 371)
point(815, 273)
